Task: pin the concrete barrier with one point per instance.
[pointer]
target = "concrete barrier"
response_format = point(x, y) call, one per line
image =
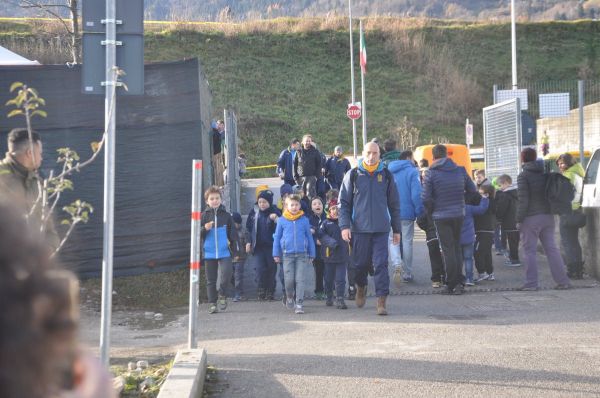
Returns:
point(186, 378)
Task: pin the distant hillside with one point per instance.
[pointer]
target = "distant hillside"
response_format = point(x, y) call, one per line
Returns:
point(287, 77)
point(212, 10)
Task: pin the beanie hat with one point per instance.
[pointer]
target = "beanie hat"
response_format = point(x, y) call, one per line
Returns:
point(266, 195)
point(286, 189)
point(237, 217)
point(338, 148)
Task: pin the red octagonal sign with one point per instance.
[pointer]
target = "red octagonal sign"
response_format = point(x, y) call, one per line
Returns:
point(354, 111)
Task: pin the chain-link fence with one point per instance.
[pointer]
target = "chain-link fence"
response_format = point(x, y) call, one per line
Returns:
point(551, 116)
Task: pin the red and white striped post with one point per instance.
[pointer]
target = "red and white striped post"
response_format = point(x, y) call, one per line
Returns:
point(195, 251)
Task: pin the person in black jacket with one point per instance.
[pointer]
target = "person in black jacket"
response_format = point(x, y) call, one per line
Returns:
point(438, 275)
point(336, 254)
point(507, 201)
point(484, 236)
point(219, 243)
point(537, 223)
point(307, 167)
point(315, 217)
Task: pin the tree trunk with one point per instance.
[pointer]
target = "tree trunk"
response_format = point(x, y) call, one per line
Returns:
point(75, 35)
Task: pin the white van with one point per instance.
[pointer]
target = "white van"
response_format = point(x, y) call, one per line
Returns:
point(591, 182)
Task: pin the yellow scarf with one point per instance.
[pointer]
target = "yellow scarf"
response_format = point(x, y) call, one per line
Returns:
point(370, 169)
point(292, 217)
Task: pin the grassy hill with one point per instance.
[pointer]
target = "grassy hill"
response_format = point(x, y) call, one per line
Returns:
point(287, 77)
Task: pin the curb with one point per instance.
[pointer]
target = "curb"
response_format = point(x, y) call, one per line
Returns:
point(186, 378)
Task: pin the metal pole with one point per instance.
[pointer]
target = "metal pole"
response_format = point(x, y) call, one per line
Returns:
point(467, 137)
point(495, 94)
point(513, 31)
point(581, 90)
point(354, 137)
point(363, 99)
point(109, 179)
point(195, 253)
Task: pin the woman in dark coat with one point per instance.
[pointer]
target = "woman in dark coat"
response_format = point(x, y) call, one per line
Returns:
point(536, 222)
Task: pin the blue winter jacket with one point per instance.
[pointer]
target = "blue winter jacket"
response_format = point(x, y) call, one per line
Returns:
point(285, 163)
point(444, 189)
point(370, 203)
point(467, 234)
point(221, 240)
point(333, 248)
point(409, 188)
point(293, 237)
point(335, 170)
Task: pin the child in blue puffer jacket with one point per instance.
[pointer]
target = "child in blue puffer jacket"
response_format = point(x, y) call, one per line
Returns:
point(293, 243)
point(467, 237)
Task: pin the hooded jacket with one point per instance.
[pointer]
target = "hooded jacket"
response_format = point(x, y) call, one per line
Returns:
point(486, 222)
point(409, 188)
point(285, 164)
point(444, 189)
point(531, 186)
point(293, 237)
point(221, 241)
point(506, 208)
point(575, 174)
point(260, 227)
point(369, 203)
point(389, 157)
point(467, 234)
point(307, 163)
point(333, 248)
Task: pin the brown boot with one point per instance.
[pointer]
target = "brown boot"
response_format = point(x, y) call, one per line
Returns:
point(381, 305)
point(361, 296)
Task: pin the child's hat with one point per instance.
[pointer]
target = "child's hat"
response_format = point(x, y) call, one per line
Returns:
point(237, 217)
point(286, 189)
point(266, 195)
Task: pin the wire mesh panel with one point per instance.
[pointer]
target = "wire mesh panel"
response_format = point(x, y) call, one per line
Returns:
point(502, 139)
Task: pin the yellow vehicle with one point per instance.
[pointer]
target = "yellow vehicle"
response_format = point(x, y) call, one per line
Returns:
point(458, 153)
point(550, 159)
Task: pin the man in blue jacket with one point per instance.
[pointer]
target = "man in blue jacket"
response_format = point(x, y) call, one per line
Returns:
point(408, 184)
point(369, 207)
point(444, 189)
point(285, 163)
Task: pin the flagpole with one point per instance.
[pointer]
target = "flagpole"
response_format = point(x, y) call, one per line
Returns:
point(362, 83)
point(354, 137)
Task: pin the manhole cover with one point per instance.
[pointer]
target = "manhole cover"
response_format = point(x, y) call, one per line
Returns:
point(472, 317)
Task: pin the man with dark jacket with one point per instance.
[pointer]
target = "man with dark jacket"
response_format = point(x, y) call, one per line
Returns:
point(19, 179)
point(285, 163)
point(307, 167)
point(444, 190)
point(369, 207)
point(336, 168)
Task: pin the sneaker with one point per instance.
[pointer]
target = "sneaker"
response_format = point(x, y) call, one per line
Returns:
point(469, 282)
point(483, 277)
point(212, 309)
point(299, 309)
point(513, 263)
point(341, 305)
point(222, 303)
point(562, 287)
point(491, 277)
point(436, 284)
point(289, 303)
point(329, 302)
point(237, 298)
point(407, 278)
point(398, 276)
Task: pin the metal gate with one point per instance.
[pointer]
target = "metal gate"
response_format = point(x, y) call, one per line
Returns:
point(232, 169)
point(502, 139)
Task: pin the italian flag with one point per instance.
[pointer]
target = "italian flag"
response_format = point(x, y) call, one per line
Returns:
point(363, 53)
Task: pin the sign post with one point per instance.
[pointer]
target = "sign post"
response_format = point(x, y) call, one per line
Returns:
point(469, 133)
point(195, 254)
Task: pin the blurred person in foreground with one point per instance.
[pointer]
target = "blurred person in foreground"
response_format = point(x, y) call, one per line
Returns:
point(39, 353)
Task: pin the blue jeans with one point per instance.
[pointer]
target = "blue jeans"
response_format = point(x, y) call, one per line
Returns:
point(294, 273)
point(394, 252)
point(371, 249)
point(408, 234)
point(238, 278)
point(335, 272)
point(467, 255)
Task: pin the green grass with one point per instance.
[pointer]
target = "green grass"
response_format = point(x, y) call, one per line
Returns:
point(288, 77)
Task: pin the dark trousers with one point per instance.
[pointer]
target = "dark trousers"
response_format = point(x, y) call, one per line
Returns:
point(335, 272)
point(218, 273)
point(265, 267)
point(512, 237)
point(448, 232)
point(483, 252)
point(569, 237)
point(371, 249)
point(319, 267)
point(437, 263)
point(238, 278)
point(351, 271)
point(309, 186)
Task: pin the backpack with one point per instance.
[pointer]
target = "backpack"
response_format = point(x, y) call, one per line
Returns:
point(560, 193)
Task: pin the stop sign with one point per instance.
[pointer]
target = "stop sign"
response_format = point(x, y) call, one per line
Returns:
point(354, 111)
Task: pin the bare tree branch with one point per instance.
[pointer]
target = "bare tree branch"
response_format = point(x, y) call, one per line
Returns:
point(33, 4)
